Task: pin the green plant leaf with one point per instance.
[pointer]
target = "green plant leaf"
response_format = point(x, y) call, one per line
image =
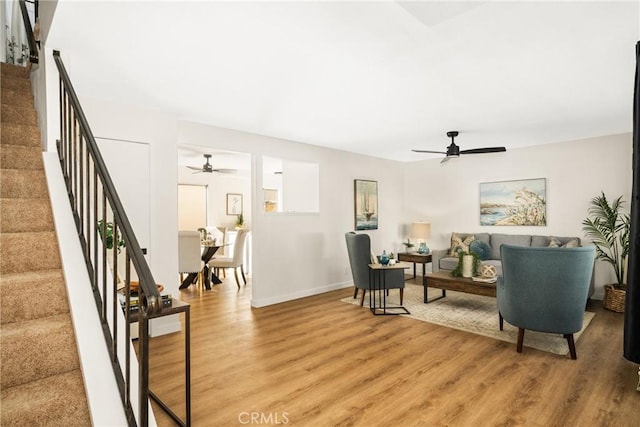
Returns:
point(608, 228)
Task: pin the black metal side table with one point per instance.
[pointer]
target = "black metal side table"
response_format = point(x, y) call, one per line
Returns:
point(378, 280)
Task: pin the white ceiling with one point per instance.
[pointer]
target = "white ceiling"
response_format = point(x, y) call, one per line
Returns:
point(377, 78)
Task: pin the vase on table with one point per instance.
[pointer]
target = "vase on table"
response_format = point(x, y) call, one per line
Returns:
point(423, 248)
point(467, 265)
point(384, 258)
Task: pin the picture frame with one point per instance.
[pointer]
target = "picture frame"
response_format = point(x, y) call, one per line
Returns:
point(365, 204)
point(520, 202)
point(234, 204)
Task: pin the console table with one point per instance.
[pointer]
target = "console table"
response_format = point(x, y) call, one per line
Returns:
point(177, 307)
point(415, 258)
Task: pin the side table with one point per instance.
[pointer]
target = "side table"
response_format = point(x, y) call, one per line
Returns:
point(415, 258)
point(176, 307)
point(377, 281)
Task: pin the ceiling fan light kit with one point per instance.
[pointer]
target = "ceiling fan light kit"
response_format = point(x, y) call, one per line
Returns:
point(453, 150)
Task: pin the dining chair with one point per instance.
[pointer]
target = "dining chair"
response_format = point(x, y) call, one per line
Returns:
point(189, 254)
point(237, 260)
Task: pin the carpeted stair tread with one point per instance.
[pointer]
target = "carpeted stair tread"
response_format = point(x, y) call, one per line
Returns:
point(17, 98)
point(57, 400)
point(43, 347)
point(18, 114)
point(13, 70)
point(25, 215)
point(17, 134)
point(40, 380)
point(32, 295)
point(21, 157)
point(18, 84)
point(24, 184)
point(24, 252)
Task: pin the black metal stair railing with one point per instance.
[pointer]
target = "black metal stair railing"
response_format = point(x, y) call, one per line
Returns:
point(33, 45)
point(104, 230)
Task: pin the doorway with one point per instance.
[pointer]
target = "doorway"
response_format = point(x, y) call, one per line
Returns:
point(211, 178)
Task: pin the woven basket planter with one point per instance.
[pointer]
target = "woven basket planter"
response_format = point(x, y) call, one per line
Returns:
point(614, 299)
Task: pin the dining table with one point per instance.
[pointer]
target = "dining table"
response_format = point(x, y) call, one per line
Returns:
point(208, 251)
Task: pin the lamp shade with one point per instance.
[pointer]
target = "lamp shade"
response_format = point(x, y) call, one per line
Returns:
point(421, 230)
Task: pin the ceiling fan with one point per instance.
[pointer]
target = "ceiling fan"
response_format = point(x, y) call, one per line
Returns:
point(454, 151)
point(207, 168)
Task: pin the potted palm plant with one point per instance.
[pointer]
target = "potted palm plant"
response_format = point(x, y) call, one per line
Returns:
point(608, 227)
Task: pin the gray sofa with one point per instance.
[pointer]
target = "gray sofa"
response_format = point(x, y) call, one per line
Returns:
point(443, 261)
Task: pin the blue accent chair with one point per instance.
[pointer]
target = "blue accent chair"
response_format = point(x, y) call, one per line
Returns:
point(359, 249)
point(544, 289)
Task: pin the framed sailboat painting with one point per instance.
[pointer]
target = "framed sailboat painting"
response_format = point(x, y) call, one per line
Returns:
point(366, 204)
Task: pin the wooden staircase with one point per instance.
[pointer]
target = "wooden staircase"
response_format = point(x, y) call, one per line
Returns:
point(41, 383)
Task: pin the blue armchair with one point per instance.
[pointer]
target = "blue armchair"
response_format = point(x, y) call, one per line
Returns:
point(544, 289)
point(359, 249)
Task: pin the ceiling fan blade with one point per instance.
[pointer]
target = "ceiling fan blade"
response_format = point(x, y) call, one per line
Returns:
point(429, 151)
point(446, 159)
point(483, 150)
point(229, 171)
point(195, 168)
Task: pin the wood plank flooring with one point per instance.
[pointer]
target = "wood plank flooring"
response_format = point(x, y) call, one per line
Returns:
point(320, 362)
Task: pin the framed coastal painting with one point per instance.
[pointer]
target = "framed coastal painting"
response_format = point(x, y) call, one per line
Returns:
point(366, 204)
point(520, 202)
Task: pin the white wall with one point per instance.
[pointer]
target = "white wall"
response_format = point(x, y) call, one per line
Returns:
point(576, 171)
point(159, 130)
point(218, 187)
point(296, 255)
point(46, 12)
point(45, 87)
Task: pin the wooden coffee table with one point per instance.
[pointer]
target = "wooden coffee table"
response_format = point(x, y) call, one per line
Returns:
point(443, 280)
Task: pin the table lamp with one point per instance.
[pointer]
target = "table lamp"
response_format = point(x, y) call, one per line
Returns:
point(421, 231)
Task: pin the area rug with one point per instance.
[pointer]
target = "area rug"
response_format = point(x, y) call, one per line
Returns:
point(472, 313)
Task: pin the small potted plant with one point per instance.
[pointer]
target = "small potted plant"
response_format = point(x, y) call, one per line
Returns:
point(109, 238)
point(468, 264)
point(240, 221)
point(408, 245)
point(608, 227)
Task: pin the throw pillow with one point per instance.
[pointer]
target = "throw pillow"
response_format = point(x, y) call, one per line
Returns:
point(460, 245)
point(554, 242)
point(482, 249)
point(573, 243)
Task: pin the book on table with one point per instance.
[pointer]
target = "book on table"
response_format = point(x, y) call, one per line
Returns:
point(484, 280)
point(134, 302)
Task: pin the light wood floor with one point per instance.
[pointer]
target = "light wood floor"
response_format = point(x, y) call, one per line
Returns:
point(319, 362)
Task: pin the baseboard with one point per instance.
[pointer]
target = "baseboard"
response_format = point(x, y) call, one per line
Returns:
point(263, 302)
